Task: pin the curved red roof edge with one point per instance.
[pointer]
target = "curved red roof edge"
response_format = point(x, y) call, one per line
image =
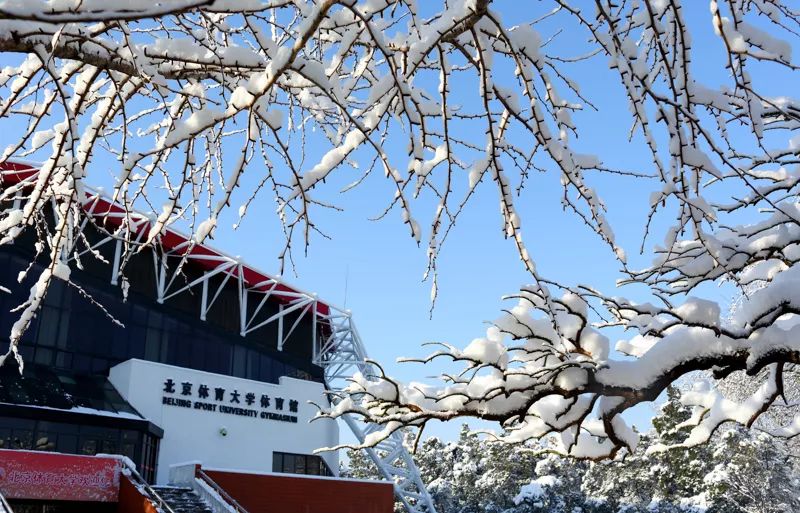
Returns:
point(15, 172)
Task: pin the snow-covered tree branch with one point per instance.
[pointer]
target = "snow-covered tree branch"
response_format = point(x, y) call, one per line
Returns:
point(185, 100)
point(738, 471)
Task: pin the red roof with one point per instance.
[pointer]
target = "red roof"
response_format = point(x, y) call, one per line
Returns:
point(182, 245)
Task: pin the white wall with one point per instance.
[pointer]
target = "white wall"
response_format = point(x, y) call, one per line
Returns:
point(194, 434)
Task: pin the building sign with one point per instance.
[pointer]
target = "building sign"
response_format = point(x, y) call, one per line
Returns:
point(64, 477)
point(208, 398)
point(225, 421)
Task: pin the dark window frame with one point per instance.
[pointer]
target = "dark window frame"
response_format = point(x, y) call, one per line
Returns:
point(293, 463)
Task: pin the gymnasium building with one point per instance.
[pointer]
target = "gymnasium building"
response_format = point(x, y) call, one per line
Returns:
point(190, 389)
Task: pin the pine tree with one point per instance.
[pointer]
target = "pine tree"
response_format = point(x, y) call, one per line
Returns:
point(556, 489)
point(738, 472)
point(664, 482)
point(684, 468)
point(754, 473)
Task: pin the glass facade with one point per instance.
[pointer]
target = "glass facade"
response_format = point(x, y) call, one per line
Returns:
point(70, 332)
point(42, 385)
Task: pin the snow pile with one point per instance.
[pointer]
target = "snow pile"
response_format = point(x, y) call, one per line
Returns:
point(535, 489)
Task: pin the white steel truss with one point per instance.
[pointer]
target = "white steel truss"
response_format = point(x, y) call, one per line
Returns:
point(342, 354)
point(337, 346)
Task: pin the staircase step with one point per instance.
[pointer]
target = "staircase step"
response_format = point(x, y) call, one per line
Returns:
point(182, 500)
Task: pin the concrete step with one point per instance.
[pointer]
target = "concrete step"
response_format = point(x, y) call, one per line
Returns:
point(182, 500)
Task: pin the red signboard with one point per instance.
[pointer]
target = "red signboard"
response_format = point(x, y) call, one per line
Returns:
point(60, 477)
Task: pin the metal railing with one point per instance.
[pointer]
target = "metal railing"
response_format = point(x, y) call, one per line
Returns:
point(142, 484)
point(222, 493)
point(5, 507)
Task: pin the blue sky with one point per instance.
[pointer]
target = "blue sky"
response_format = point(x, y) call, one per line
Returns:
point(375, 268)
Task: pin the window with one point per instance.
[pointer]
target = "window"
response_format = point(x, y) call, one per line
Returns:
point(307, 464)
point(128, 443)
point(239, 361)
point(88, 446)
point(67, 438)
point(149, 458)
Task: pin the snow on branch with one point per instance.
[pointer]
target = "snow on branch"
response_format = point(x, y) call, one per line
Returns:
point(544, 368)
point(547, 370)
point(194, 106)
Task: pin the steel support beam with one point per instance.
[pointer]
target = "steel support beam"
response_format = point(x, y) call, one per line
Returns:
point(342, 355)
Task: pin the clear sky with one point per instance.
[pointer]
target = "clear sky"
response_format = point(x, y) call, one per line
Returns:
point(375, 268)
